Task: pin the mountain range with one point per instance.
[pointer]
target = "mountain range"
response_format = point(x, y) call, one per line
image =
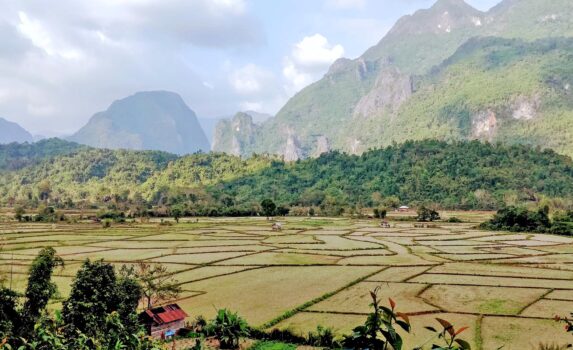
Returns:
point(450, 72)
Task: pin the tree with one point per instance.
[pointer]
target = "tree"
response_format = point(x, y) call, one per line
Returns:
point(282, 211)
point(380, 213)
point(19, 213)
point(129, 293)
point(228, 327)
point(44, 190)
point(9, 316)
point(520, 219)
point(427, 214)
point(40, 287)
point(94, 295)
point(156, 283)
point(176, 212)
point(269, 207)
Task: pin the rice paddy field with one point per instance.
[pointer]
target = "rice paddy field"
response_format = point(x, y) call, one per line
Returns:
point(506, 287)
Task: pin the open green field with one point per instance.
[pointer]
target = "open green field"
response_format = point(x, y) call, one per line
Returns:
point(506, 287)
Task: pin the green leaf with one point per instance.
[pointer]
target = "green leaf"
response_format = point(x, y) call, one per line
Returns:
point(405, 325)
point(464, 344)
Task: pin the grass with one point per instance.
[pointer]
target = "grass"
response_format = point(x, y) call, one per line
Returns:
point(271, 345)
point(482, 300)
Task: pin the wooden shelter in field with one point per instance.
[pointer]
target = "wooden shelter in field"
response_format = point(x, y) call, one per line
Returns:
point(404, 208)
point(164, 321)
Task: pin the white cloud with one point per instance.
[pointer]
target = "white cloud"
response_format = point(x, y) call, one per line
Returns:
point(38, 35)
point(63, 65)
point(250, 79)
point(309, 59)
point(315, 52)
point(296, 79)
point(259, 88)
point(346, 4)
point(233, 6)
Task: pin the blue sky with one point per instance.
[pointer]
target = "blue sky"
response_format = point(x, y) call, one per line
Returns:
point(61, 65)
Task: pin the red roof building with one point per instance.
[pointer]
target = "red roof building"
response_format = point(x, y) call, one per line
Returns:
point(164, 321)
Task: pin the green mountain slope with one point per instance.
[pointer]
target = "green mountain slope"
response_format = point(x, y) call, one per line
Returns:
point(154, 120)
point(351, 107)
point(497, 90)
point(469, 175)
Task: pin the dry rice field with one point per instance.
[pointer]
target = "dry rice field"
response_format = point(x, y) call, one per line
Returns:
point(506, 287)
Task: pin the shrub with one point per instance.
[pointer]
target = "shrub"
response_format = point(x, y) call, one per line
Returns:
point(455, 220)
point(323, 337)
point(427, 214)
point(106, 223)
point(380, 213)
point(562, 228)
point(272, 345)
point(228, 328)
point(278, 335)
point(519, 220)
point(114, 215)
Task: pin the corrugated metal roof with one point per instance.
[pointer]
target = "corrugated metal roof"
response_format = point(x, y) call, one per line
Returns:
point(166, 314)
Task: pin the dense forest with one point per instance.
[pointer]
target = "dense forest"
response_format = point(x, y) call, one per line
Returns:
point(458, 175)
point(14, 156)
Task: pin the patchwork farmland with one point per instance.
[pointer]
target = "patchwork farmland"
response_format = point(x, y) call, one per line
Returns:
point(506, 287)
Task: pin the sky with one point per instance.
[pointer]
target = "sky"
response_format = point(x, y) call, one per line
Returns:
point(63, 62)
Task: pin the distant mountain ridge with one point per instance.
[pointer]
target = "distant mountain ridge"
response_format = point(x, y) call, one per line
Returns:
point(368, 102)
point(12, 132)
point(152, 120)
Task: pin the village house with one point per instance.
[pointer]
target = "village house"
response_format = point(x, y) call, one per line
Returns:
point(163, 322)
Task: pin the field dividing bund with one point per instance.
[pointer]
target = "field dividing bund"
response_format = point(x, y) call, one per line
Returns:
point(506, 287)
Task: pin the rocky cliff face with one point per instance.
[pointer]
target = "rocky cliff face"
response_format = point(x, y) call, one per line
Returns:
point(322, 146)
point(236, 135)
point(292, 151)
point(390, 90)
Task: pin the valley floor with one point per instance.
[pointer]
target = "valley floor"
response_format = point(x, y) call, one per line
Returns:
point(506, 287)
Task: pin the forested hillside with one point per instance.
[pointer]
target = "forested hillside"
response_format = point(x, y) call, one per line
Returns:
point(467, 175)
point(15, 156)
point(491, 89)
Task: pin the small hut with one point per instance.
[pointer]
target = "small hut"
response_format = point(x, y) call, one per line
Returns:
point(163, 322)
point(403, 208)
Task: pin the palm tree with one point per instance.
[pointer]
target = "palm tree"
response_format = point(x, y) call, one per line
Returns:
point(228, 328)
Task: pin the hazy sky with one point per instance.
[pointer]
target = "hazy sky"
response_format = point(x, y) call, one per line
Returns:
point(62, 61)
